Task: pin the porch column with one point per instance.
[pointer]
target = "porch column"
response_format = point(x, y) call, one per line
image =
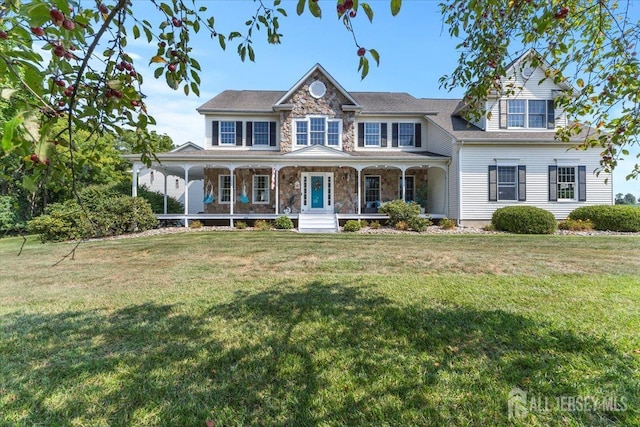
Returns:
point(186, 194)
point(359, 169)
point(277, 188)
point(134, 179)
point(404, 183)
point(232, 196)
point(165, 193)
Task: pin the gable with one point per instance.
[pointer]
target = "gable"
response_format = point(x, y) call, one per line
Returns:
point(317, 151)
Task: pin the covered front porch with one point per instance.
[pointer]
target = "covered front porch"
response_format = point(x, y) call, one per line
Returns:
point(268, 188)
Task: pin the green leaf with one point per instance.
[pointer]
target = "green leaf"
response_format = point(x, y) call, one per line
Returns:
point(37, 12)
point(365, 67)
point(166, 9)
point(28, 183)
point(186, 89)
point(315, 9)
point(395, 6)
point(300, 7)
point(158, 72)
point(368, 11)
point(9, 130)
point(194, 88)
point(375, 56)
point(136, 32)
point(234, 34)
point(223, 45)
point(252, 55)
point(282, 11)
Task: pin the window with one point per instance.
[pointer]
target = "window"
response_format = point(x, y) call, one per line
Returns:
point(406, 133)
point(566, 182)
point(507, 183)
point(371, 190)
point(228, 133)
point(224, 185)
point(261, 189)
point(260, 133)
point(531, 114)
point(410, 190)
point(371, 134)
point(318, 131)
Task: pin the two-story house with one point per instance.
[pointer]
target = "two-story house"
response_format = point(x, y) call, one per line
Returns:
point(318, 151)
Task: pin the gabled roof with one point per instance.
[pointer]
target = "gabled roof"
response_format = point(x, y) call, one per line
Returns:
point(304, 78)
point(315, 150)
point(240, 101)
point(544, 64)
point(187, 146)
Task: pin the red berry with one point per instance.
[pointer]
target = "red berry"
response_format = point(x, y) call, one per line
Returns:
point(59, 51)
point(120, 67)
point(3, 35)
point(103, 9)
point(340, 9)
point(56, 16)
point(362, 51)
point(68, 24)
point(348, 4)
point(61, 83)
point(56, 142)
point(162, 44)
point(133, 73)
point(34, 158)
point(135, 103)
point(47, 162)
point(176, 22)
point(352, 13)
point(172, 67)
point(174, 53)
point(38, 31)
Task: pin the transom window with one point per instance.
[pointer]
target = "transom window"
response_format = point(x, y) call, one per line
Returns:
point(566, 182)
point(410, 190)
point(507, 183)
point(406, 134)
point(261, 189)
point(372, 134)
point(224, 186)
point(260, 133)
point(318, 131)
point(228, 133)
point(535, 114)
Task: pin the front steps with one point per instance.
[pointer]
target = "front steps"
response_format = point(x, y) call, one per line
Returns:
point(317, 223)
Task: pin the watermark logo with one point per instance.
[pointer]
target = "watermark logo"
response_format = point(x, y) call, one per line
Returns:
point(520, 404)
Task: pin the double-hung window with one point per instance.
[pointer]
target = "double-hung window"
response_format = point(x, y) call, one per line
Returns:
point(406, 134)
point(261, 189)
point(567, 183)
point(227, 133)
point(261, 133)
point(527, 114)
point(371, 134)
point(318, 131)
point(516, 113)
point(371, 190)
point(507, 183)
point(224, 186)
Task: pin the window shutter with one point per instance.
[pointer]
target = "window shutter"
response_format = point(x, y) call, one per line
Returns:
point(360, 134)
point(522, 183)
point(418, 135)
point(249, 134)
point(215, 135)
point(551, 116)
point(553, 183)
point(238, 133)
point(394, 134)
point(383, 135)
point(493, 183)
point(502, 113)
point(272, 134)
point(582, 183)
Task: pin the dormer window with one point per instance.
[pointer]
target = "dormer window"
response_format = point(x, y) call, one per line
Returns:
point(526, 114)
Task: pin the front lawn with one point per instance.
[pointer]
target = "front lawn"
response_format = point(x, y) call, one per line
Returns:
point(272, 328)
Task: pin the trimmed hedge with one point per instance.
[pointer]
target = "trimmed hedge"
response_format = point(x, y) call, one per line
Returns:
point(609, 218)
point(351, 226)
point(524, 220)
point(283, 223)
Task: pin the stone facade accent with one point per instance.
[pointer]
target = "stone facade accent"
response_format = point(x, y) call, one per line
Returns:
point(304, 104)
point(243, 176)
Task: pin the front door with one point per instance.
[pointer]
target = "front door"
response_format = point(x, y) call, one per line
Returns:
point(317, 192)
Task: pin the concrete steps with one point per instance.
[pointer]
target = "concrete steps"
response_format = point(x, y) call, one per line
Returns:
point(317, 223)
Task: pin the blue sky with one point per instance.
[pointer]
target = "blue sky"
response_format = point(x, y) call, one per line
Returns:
point(415, 49)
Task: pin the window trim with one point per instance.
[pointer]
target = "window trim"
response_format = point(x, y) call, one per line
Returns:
point(254, 188)
point(220, 133)
point(307, 120)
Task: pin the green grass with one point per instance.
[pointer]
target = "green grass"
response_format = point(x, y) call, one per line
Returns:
point(280, 329)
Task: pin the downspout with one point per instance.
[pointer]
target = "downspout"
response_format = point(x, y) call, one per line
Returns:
point(460, 183)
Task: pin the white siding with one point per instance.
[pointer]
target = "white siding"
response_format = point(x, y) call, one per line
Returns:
point(208, 120)
point(537, 158)
point(438, 141)
point(530, 88)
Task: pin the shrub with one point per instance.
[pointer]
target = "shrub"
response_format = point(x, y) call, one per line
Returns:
point(489, 227)
point(63, 221)
point(262, 225)
point(283, 223)
point(611, 218)
point(155, 199)
point(418, 223)
point(374, 225)
point(399, 210)
point(351, 226)
point(196, 224)
point(576, 225)
point(364, 223)
point(402, 225)
point(524, 220)
point(447, 223)
point(241, 225)
point(9, 214)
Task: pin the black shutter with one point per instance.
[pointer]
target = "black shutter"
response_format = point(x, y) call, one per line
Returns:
point(522, 183)
point(272, 134)
point(551, 117)
point(582, 183)
point(502, 113)
point(214, 132)
point(383, 135)
point(493, 183)
point(418, 135)
point(553, 183)
point(249, 134)
point(238, 133)
point(360, 134)
point(394, 134)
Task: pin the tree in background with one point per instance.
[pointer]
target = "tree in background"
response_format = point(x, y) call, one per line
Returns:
point(86, 81)
point(627, 199)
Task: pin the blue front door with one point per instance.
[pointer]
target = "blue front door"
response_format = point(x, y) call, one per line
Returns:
point(317, 192)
